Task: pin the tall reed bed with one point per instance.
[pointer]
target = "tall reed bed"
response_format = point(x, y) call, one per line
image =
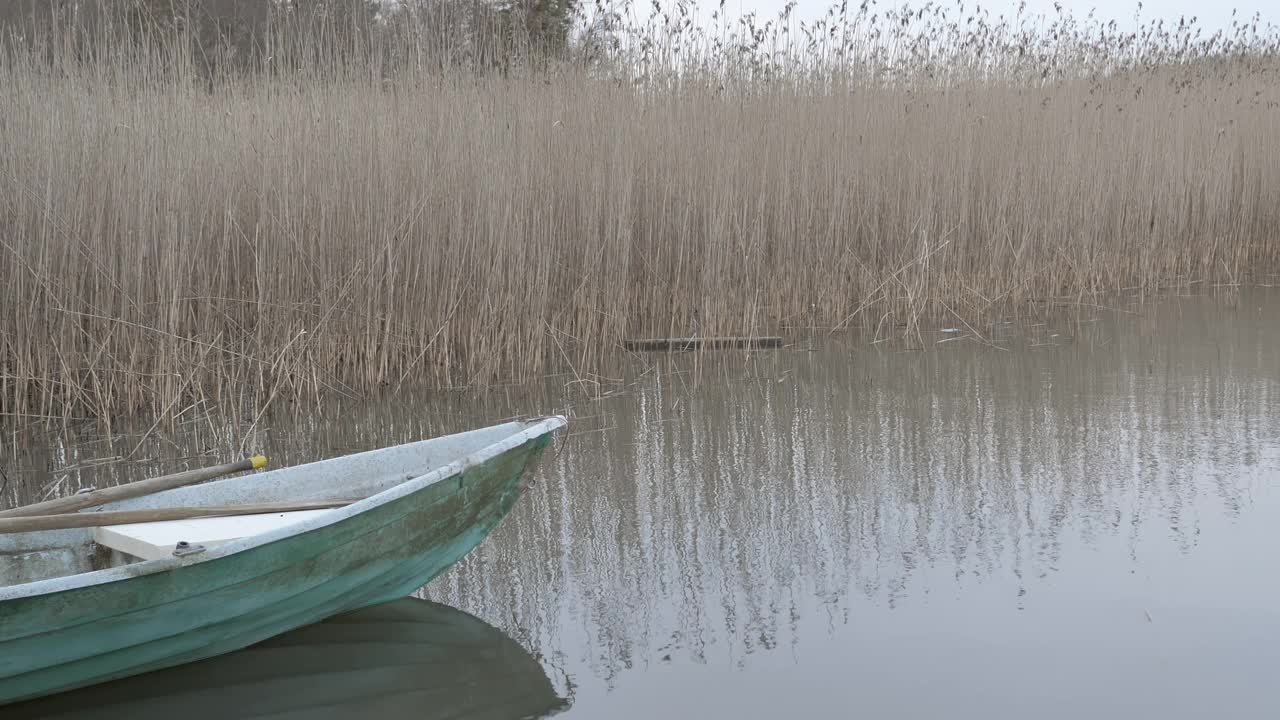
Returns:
point(334, 217)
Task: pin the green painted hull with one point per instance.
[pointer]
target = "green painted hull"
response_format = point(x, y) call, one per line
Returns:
point(405, 659)
point(57, 641)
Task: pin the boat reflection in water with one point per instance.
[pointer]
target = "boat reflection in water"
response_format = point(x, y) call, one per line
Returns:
point(409, 658)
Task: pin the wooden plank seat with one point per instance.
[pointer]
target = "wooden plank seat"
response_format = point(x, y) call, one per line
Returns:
point(155, 540)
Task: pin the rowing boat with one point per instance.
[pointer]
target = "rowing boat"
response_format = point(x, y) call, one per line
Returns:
point(409, 658)
point(84, 605)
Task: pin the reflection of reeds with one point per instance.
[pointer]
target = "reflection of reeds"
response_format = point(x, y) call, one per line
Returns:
point(299, 233)
point(727, 518)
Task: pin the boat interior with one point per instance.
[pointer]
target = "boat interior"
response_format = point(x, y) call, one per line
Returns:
point(32, 556)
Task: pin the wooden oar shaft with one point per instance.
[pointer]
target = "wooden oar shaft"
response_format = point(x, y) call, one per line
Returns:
point(124, 517)
point(72, 503)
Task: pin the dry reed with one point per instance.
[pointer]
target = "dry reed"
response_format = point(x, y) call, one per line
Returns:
point(169, 237)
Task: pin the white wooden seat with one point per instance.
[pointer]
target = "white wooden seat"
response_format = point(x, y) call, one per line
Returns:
point(154, 540)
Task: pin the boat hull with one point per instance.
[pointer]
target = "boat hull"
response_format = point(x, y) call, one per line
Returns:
point(86, 635)
point(408, 658)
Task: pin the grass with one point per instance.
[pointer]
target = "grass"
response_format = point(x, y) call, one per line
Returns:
point(171, 239)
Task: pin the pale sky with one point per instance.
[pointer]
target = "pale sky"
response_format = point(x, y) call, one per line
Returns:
point(1213, 15)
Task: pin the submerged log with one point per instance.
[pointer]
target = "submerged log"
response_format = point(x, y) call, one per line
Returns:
point(702, 343)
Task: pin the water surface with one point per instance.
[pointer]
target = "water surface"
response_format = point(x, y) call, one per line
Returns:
point(1051, 520)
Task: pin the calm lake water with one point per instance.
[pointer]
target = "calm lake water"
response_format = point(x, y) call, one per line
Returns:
point(1079, 519)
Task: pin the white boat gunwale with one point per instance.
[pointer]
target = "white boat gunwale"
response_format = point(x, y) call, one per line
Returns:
point(534, 428)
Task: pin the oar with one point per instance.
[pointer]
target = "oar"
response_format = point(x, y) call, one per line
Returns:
point(124, 517)
point(72, 503)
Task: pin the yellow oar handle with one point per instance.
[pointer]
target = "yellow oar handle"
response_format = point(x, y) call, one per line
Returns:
point(132, 490)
